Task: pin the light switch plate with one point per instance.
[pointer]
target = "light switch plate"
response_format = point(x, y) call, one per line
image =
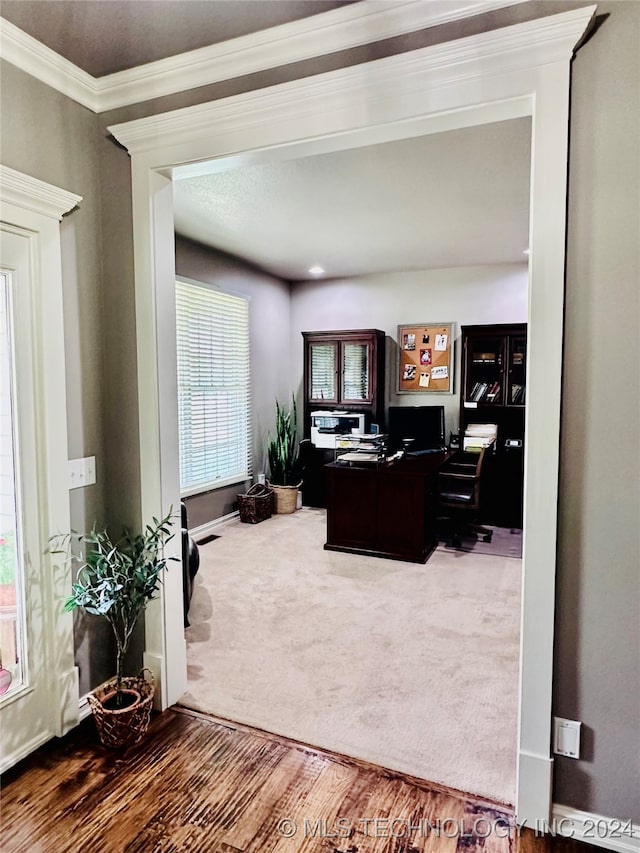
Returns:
point(566, 740)
point(82, 472)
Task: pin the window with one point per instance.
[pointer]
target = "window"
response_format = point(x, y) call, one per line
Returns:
point(11, 593)
point(214, 420)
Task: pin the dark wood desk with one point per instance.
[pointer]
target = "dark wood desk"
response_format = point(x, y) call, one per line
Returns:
point(386, 510)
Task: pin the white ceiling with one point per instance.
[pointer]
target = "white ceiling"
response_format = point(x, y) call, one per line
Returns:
point(453, 199)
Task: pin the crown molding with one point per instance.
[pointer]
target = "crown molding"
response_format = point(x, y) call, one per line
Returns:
point(46, 65)
point(538, 42)
point(33, 194)
point(328, 32)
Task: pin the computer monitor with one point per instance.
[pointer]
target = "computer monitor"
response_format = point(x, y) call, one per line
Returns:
point(424, 424)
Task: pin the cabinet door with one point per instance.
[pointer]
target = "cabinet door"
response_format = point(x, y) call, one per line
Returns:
point(356, 372)
point(400, 517)
point(351, 501)
point(323, 371)
point(485, 358)
point(517, 370)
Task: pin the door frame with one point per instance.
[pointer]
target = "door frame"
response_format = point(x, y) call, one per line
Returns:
point(516, 71)
point(46, 704)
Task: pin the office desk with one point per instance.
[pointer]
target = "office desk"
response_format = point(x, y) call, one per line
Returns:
point(386, 510)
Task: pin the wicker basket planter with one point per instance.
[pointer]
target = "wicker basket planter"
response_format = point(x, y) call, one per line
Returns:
point(257, 504)
point(123, 726)
point(285, 498)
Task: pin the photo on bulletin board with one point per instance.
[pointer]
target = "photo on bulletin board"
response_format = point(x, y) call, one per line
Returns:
point(426, 358)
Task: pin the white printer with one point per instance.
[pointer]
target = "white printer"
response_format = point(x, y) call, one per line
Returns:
point(327, 426)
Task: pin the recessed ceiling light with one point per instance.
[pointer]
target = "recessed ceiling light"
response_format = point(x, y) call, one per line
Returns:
point(316, 269)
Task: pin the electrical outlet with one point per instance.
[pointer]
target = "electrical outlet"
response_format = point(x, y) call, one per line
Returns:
point(566, 740)
point(82, 472)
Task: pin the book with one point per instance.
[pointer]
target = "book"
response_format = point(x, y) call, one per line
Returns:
point(480, 391)
point(493, 394)
point(517, 393)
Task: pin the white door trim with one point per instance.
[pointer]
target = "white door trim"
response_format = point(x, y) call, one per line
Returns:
point(514, 71)
point(30, 211)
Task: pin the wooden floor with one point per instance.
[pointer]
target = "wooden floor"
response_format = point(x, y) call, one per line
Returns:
point(195, 784)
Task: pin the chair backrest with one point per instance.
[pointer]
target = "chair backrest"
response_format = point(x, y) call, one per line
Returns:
point(459, 480)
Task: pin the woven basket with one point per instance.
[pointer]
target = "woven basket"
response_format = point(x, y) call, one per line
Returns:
point(124, 727)
point(285, 498)
point(257, 504)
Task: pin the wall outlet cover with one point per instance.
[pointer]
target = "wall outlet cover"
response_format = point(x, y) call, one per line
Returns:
point(566, 740)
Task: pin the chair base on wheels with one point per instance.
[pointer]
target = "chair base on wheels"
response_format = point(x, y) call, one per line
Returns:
point(455, 531)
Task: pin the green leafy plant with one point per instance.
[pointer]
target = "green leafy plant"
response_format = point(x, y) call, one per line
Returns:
point(117, 579)
point(282, 449)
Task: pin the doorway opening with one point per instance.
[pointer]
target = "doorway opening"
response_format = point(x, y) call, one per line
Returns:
point(430, 194)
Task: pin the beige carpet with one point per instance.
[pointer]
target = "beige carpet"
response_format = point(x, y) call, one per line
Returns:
point(412, 667)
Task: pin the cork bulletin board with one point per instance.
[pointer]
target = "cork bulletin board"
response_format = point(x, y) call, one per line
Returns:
point(426, 358)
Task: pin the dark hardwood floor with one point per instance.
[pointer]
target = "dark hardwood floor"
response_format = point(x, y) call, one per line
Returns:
point(196, 784)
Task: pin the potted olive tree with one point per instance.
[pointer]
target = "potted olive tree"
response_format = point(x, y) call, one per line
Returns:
point(117, 580)
point(284, 463)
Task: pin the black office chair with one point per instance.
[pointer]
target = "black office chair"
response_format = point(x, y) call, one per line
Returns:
point(190, 564)
point(459, 489)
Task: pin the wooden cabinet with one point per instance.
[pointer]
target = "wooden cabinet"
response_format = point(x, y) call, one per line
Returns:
point(494, 369)
point(494, 366)
point(344, 370)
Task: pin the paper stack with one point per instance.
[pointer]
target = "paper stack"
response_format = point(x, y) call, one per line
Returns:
point(479, 435)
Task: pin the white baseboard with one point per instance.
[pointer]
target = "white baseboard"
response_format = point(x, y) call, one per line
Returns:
point(84, 709)
point(610, 833)
point(9, 760)
point(209, 527)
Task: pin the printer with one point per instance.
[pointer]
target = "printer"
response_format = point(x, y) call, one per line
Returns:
point(327, 426)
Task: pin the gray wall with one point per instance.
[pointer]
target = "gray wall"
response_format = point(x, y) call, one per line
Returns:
point(52, 138)
point(464, 295)
point(269, 307)
point(597, 639)
point(598, 607)
point(120, 381)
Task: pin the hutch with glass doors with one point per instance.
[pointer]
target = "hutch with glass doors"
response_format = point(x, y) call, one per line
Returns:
point(494, 390)
point(344, 371)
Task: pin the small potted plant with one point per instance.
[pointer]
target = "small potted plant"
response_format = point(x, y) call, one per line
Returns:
point(284, 463)
point(117, 580)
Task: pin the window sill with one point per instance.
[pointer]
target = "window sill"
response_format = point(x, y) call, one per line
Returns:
point(215, 485)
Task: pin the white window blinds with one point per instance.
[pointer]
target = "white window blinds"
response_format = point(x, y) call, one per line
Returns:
point(323, 372)
point(213, 387)
point(356, 372)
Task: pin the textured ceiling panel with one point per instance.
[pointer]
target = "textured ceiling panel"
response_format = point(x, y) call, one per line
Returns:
point(104, 36)
point(453, 199)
